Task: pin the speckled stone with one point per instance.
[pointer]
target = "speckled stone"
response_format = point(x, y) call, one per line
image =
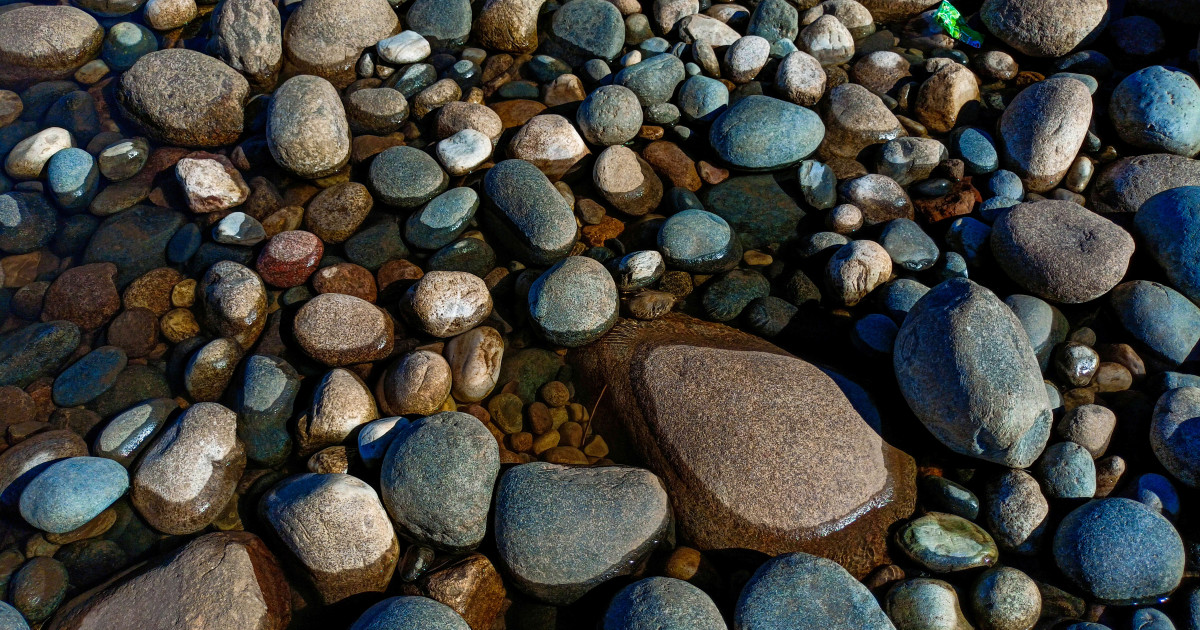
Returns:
point(797, 590)
point(264, 404)
point(662, 602)
point(326, 38)
point(183, 97)
point(411, 611)
point(130, 432)
point(447, 303)
point(527, 213)
point(475, 358)
point(418, 383)
point(764, 133)
point(289, 258)
point(341, 402)
point(85, 295)
point(1172, 433)
point(338, 329)
point(43, 43)
point(71, 492)
point(89, 377)
point(235, 302)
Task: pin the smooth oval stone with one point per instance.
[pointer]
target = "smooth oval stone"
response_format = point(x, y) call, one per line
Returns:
point(190, 472)
point(35, 351)
point(326, 38)
point(908, 245)
point(447, 23)
point(475, 358)
point(1158, 109)
point(574, 302)
point(135, 240)
point(437, 480)
point(1044, 29)
point(27, 222)
point(128, 434)
point(1119, 551)
point(1061, 251)
point(1043, 128)
point(235, 301)
point(185, 98)
point(654, 80)
point(307, 131)
point(125, 43)
point(38, 587)
point(337, 530)
point(406, 177)
point(1174, 433)
point(71, 492)
point(418, 383)
point(1067, 472)
point(968, 371)
point(410, 612)
point(610, 115)
point(764, 133)
point(338, 329)
point(662, 602)
point(1169, 224)
point(1004, 598)
point(89, 377)
point(545, 515)
point(246, 34)
point(528, 213)
point(583, 29)
point(73, 177)
point(925, 604)
point(23, 461)
point(699, 241)
point(264, 404)
point(944, 543)
point(798, 590)
point(44, 43)
point(1162, 320)
point(944, 495)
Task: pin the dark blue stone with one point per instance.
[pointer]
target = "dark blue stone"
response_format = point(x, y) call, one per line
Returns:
point(125, 43)
point(1158, 109)
point(908, 245)
point(757, 208)
point(36, 350)
point(184, 243)
point(976, 148)
point(764, 133)
point(73, 178)
point(27, 222)
point(134, 240)
point(71, 492)
point(88, 377)
point(1169, 224)
point(1165, 322)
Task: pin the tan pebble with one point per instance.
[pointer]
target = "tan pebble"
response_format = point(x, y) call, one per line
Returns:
point(755, 258)
point(596, 447)
point(572, 434)
point(183, 294)
point(539, 418)
point(577, 413)
point(555, 394)
point(520, 441)
point(565, 455)
point(683, 563)
point(558, 416)
point(1112, 377)
point(711, 174)
point(179, 324)
point(545, 442)
point(38, 547)
point(1108, 474)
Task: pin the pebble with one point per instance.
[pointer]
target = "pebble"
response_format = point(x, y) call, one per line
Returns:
point(38, 588)
point(73, 178)
point(909, 247)
point(574, 302)
point(235, 301)
point(71, 492)
point(28, 222)
point(796, 589)
point(950, 93)
point(764, 133)
point(610, 115)
point(1042, 29)
point(28, 159)
point(662, 602)
point(1042, 130)
point(947, 496)
point(856, 269)
point(403, 48)
point(856, 119)
point(247, 36)
point(85, 295)
point(925, 604)
point(410, 612)
point(1161, 222)
point(551, 143)
point(1090, 426)
point(130, 432)
point(698, 241)
point(289, 258)
point(1067, 472)
point(1170, 435)
point(800, 78)
point(827, 40)
point(338, 329)
point(376, 110)
point(1005, 598)
point(879, 198)
point(307, 131)
point(341, 403)
point(1158, 109)
point(418, 383)
point(447, 303)
point(944, 543)
point(44, 43)
point(326, 38)
point(1127, 183)
point(528, 213)
point(1165, 322)
point(582, 29)
point(464, 152)
point(89, 377)
point(475, 358)
point(185, 98)
point(211, 184)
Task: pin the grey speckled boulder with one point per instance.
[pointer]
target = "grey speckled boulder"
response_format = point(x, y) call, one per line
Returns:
point(803, 591)
point(661, 602)
point(307, 130)
point(437, 480)
point(1175, 433)
point(410, 613)
point(1043, 128)
point(247, 36)
point(185, 98)
point(1061, 251)
point(1044, 28)
point(528, 213)
point(968, 371)
point(1162, 320)
point(764, 133)
point(1129, 182)
point(44, 43)
point(547, 517)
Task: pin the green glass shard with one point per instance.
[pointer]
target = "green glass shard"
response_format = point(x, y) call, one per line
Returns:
point(950, 19)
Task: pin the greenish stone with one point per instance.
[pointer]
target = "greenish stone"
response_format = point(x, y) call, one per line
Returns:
point(530, 368)
point(944, 543)
point(758, 209)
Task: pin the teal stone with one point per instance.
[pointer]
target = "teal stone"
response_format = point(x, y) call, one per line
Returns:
point(1169, 224)
point(410, 612)
point(73, 178)
point(471, 255)
point(35, 351)
point(1165, 322)
point(763, 133)
point(527, 213)
point(131, 431)
point(71, 492)
point(125, 43)
point(944, 543)
point(88, 377)
point(27, 222)
point(662, 602)
point(406, 177)
point(375, 245)
point(441, 220)
point(728, 294)
point(798, 590)
point(699, 241)
point(583, 29)
point(757, 208)
point(11, 618)
point(653, 80)
point(264, 404)
point(574, 302)
point(702, 99)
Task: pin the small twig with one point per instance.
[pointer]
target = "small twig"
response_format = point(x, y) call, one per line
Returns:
point(593, 412)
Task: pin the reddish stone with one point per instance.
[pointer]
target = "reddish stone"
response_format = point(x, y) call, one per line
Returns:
point(289, 258)
point(516, 112)
point(670, 161)
point(398, 271)
point(135, 331)
point(608, 228)
point(960, 201)
point(712, 174)
point(86, 295)
point(17, 405)
point(347, 278)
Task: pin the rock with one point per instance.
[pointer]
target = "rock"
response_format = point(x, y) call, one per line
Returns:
point(1172, 434)
point(1164, 323)
point(527, 213)
point(1042, 130)
point(443, 22)
point(71, 492)
point(764, 133)
point(264, 404)
point(289, 258)
point(549, 142)
point(337, 530)
point(235, 302)
point(35, 351)
point(680, 387)
point(545, 514)
point(185, 98)
point(856, 269)
point(307, 130)
point(85, 295)
point(1126, 184)
point(437, 480)
point(29, 222)
point(1104, 547)
point(128, 434)
point(45, 43)
point(746, 57)
point(135, 240)
point(336, 212)
point(12, 618)
point(827, 40)
point(340, 404)
point(892, 11)
point(881, 71)
point(1090, 426)
point(948, 94)
point(798, 589)
point(38, 587)
point(1044, 29)
point(326, 38)
point(166, 15)
point(627, 181)
point(338, 329)
point(73, 178)
point(464, 152)
point(968, 371)
point(403, 48)
point(211, 185)
point(879, 198)
point(1158, 109)
point(228, 579)
point(474, 359)
point(800, 79)
point(944, 542)
point(702, 28)
point(406, 177)
point(856, 119)
point(247, 36)
point(22, 462)
point(410, 612)
point(909, 247)
point(88, 377)
point(447, 303)
point(662, 602)
point(925, 604)
point(28, 159)
point(574, 302)
point(1166, 223)
point(583, 29)
point(756, 208)
point(418, 383)
point(1067, 472)
point(1061, 251)
point(1004, 598)
point(190, 472)
point(610, 115)
point(509, 25)
point(458, 115)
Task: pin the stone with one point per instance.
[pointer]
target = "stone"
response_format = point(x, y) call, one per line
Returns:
point(338, 329)
point(798, 589)
point(1005, 598)
point(1061, 251)
point(464, 152)
point(88, 377)
point(442, 220)
point(474, 358)
point(527, 213)
point(946, 96)
point(184, 98)
point(190, 472)
point(881, 71)
point(764, 133)
point(38, 587)
point(130, 432)
point(45, 43)
point(925, 604)
point(550, 143)
point(442, 22)
point(855, 120)
point(1166, 223)
point(403, 48)
point(702, 28)
point(1044, 29)
point(1158, 109)
point(1090, 426)
point(610, 115)
point(968, 372)
point(166, 15)
point(29, 222)
point(337, 530)
point(229, 579)
point(447, 303)
point(289, 258)
point(437, 480)
point(746, 57)
point(418, 383)
point(247, 35)
point(1067, 472)
point(12, 618)
point(1104, 548)
point(264, 405)
point(1172, 434)
point(210, 184)
point(406, 177)
point(856, 269)
point(135, 240)
point(545, 514)
point(235, 302)
point(375, 438)
point(583, 29)
point(1126, 184)
point(879, 198)
point(909, 247)
point(71, 492)
point(662, 602)
point(509, 25)
point(326, 38)
point(1043, 129)
point(574, 302)
point(335, 213)
point(458, 115)
point(827, 40)
point(85, 295)
point(679, 387)
point(1164, 323)
point(410, 612)
point(944, 543)
point(73, 178)
point(28, 159)
point(307, 131)
point(340, 404)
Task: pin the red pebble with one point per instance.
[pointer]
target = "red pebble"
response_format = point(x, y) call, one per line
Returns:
point(289, 258)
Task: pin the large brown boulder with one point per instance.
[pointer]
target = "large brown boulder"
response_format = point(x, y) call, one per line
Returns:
point(758, 449)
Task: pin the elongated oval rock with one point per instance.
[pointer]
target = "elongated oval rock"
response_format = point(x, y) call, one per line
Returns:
point(337, 529)
point(338, 329)
point(307, 130)
point(23, 461)
point(188, 475)
point(72, 492)
point(437, 480)
point(799, 590)
point(128, 434)
point(764, 133)
point(1060, 250)
point(528, 213)
point(969, 373)
point(247, 35)
point(1043, 128)
point(183, 97)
